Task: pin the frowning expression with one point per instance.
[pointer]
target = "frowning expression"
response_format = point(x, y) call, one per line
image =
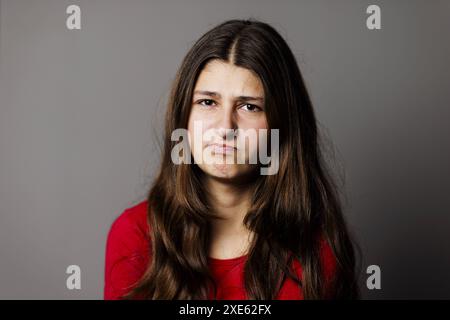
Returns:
point(226, 97)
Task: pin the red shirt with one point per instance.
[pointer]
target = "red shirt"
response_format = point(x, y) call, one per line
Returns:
point(127, 257)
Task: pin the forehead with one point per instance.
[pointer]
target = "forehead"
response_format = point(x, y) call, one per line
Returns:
point(229, 79)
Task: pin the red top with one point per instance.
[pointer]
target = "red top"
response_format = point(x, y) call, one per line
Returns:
point(127, 256)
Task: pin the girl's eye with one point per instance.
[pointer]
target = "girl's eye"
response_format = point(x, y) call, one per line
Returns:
point(251, 107)
point(208, 101)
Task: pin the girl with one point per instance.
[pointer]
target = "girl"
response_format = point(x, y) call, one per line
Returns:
point(219, 229)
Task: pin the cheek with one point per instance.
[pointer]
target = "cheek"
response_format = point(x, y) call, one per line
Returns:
point(195, 119)
point(254, 122)
point(262, 123)
point(203, 118)
point(198, 124)
point(261, 128)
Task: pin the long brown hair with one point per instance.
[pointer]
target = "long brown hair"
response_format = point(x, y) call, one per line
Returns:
point(289, 210)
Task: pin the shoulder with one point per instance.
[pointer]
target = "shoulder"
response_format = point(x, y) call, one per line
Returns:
point(328, 259)
point(129, 233)
point(131, 222)
point(127, 250)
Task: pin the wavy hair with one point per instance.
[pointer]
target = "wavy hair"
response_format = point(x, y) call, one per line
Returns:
point(289, 210)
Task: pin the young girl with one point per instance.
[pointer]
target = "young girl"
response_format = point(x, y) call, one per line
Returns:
point(220, 229)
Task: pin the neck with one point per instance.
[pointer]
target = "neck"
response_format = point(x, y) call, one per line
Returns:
point(230, 202)
point(226, 198)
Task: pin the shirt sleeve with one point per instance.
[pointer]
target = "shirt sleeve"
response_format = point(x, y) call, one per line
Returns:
point(125, 257)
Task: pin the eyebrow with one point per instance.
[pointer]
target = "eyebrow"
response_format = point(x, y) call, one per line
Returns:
point(216, 94)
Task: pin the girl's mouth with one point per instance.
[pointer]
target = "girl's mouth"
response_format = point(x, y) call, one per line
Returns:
point(218, 148)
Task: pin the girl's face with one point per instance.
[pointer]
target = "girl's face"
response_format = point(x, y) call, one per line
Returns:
point(226, 97)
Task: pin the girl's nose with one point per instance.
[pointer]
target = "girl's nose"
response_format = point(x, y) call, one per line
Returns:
point(226, 124)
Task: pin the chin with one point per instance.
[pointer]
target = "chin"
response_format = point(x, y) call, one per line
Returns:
point(228, 172)
point(223, 171)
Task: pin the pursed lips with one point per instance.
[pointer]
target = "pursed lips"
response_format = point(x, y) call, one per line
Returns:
point(221, 148)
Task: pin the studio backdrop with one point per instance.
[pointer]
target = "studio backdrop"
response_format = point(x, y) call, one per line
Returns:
point(84, 87)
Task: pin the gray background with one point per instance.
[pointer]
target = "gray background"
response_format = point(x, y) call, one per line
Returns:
point(81, 112)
